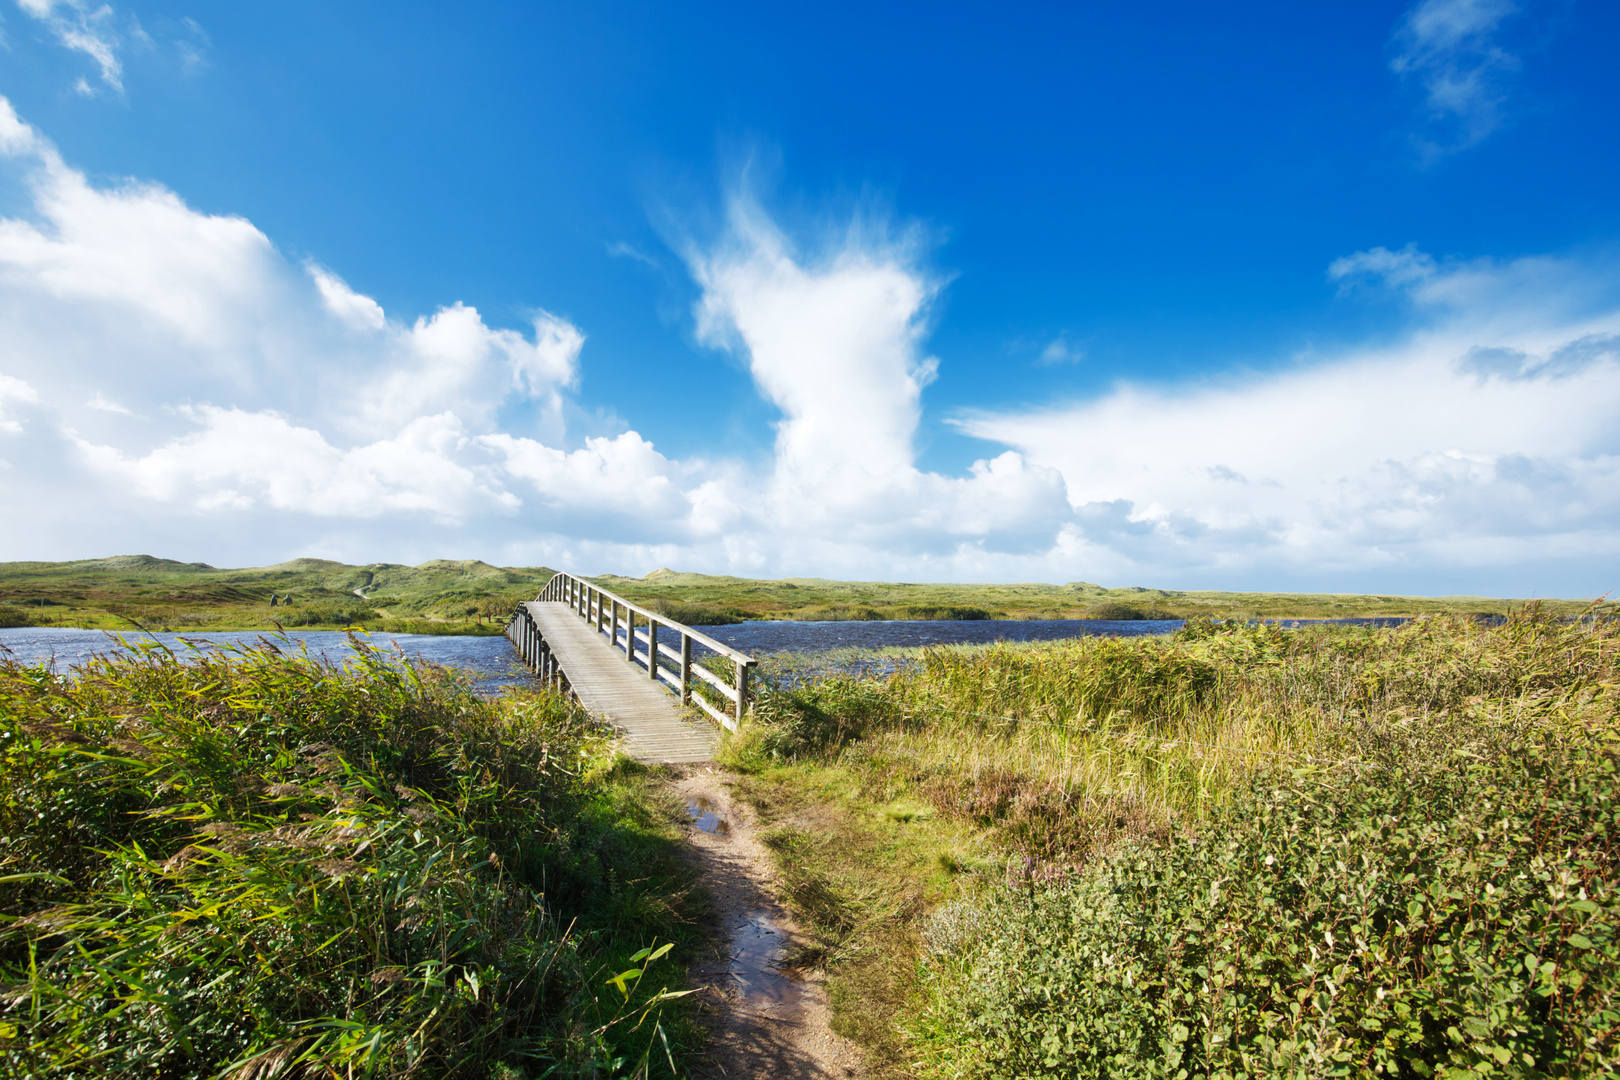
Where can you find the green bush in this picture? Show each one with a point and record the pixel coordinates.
(13, 616)
(696, 614)
(1448, 910)
(1127, 613)
(325, 615)
(252, 861)
(787, 721)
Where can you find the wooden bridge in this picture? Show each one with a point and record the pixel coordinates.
(623, 663)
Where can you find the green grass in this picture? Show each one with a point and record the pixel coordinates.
(471, 597)
(1240, 851)
(249, 863)
(441, 596)
(732, 598)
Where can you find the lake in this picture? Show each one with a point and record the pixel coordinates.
(492, 664)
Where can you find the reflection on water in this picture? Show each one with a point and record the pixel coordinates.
(706, 816)
(758, 951)
(490, 662)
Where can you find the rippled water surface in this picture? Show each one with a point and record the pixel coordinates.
(491, 662)
(762, 638)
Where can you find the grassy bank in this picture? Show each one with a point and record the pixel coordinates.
(471, 597)
(715, 598)
(251, 864)
(1240, 851)
(440, 596)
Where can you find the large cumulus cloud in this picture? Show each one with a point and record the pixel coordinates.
(170, 381)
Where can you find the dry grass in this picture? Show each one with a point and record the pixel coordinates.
(1024, 764)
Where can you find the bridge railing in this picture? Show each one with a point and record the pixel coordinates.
(646, 638)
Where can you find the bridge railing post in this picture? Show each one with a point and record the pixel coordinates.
(652, 650)
(686, 669)
(742, 688)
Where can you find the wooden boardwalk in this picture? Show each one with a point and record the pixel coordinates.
(612, 687)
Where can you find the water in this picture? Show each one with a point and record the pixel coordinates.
(490, 662)
(706, 815)
(765, 638)
(493, 665)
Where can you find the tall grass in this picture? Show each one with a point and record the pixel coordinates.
(1143, 732)
(248, 863)
(1251, 851)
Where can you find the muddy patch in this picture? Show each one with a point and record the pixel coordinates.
(765, 1018)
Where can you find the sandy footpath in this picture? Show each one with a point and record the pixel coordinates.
(763, 1021)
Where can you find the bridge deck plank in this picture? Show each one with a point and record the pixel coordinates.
(620, 692)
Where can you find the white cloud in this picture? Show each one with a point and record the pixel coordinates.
(86, 28)
(1396, 269)
(175, 384)
(14, 392)
(833, 340)
(263, 384)
(360, 312)
(1466, 445)
(1448, 47)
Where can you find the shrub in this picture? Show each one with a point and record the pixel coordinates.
(696, 614)
(1118, 612)
(787, 721)
(13, 616)
(325, 615)
(1450, 911)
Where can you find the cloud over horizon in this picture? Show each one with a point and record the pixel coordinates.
(170, 381)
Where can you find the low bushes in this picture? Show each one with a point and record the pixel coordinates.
(324, 615)
(1244, 850)
(1448, 910)
(1118, 612)
(13, 616)
(250, 863)
(697, 614)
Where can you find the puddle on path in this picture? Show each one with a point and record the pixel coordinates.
(706, 816)
(758, 943)
(757, 952)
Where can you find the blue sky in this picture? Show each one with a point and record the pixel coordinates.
(1272, 296)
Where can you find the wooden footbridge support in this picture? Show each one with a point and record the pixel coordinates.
(622, 663)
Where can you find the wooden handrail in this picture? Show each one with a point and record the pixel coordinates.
(600, 609)
(719, 647)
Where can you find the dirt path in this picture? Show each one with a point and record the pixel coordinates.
(764, 1021)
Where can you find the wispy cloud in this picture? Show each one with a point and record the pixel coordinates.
(621, 250)
(1449, 48)
(85, 28)
(1060, 351)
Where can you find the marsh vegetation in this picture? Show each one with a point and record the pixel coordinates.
(249, 863)
(470, 597)
(1240, 850)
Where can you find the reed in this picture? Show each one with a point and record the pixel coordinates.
(245, 862)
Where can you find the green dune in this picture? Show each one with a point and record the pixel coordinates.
(469, 596)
